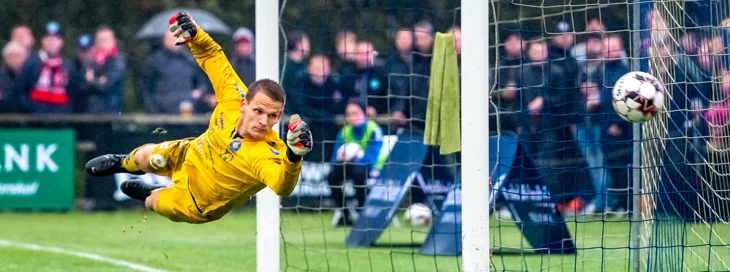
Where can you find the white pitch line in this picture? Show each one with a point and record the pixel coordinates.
(85, 255)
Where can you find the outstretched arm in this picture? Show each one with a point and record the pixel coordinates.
(210, 57)
(279, 174)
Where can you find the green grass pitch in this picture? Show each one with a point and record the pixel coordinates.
(309, 244)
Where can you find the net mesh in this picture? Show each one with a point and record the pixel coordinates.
(682, 155)
(377, 53)
(555, 151)
(685, 188)
(554, 62)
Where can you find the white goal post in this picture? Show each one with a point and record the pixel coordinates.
(267, 202)
(475, 131)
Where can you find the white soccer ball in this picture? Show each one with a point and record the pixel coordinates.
(350, 152)
(638, 97)
(418, 215)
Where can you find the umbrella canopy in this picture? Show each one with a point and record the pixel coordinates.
(157, 26)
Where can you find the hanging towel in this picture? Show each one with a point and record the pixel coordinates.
(443, 126)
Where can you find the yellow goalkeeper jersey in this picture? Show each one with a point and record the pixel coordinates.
(229, 169)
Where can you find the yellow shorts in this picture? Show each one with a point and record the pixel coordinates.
(176, 202)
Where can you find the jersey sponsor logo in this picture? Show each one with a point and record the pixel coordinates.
(235, 145)
(273, 151)
(223, 125)
(227, 156)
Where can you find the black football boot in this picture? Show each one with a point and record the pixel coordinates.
(107, 165)
(137, 189)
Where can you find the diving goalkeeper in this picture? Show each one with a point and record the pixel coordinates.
(235, 158)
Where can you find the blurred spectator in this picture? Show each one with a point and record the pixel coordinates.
(173, 81)
(613, 69)
(509, 80)
(560, 44)
(297, 52)
(399, 69)
(594, 24)
(369, 138)
(704, 55)
(367, 82)
(84, 68)
(597, 80)
(423, 39)
(588, 129)
(718, 117)
(14, 55)
(346, 46)
(317, 99)
(541, 92)
(24, 36)
(616, 133)
(106, 82)
(243, 58)
(43, 85)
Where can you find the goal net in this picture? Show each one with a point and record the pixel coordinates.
(651, 197)
(685, 186)
(358, 72)
(573, 186)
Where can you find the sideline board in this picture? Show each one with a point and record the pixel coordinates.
(528, 200)
(37, 169)
(384, 197)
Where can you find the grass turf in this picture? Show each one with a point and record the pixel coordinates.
(309, 244)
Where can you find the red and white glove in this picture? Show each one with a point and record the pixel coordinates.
(298, 139)
(183, 27)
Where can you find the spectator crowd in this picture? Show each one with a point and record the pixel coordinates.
(550, 91)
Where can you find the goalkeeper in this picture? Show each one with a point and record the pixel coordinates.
(236, 157)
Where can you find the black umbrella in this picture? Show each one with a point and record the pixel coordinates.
(157, 26)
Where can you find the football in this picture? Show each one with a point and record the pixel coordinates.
(638, 97)
(418, 215)
(350, 152)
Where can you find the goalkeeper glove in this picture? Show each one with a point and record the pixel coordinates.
(298, 139)
(183, 27)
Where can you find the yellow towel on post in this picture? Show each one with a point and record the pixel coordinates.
(443, 126)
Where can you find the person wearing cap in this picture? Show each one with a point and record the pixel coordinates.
(83, 64)
(43, 86)
(243, 56)
(561, 41)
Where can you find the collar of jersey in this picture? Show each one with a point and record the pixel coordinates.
(270, 136)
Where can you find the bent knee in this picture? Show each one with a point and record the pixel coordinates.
(141, 157)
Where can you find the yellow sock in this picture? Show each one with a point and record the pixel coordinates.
(129, 164)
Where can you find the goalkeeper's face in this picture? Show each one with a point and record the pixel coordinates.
(260, 115)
